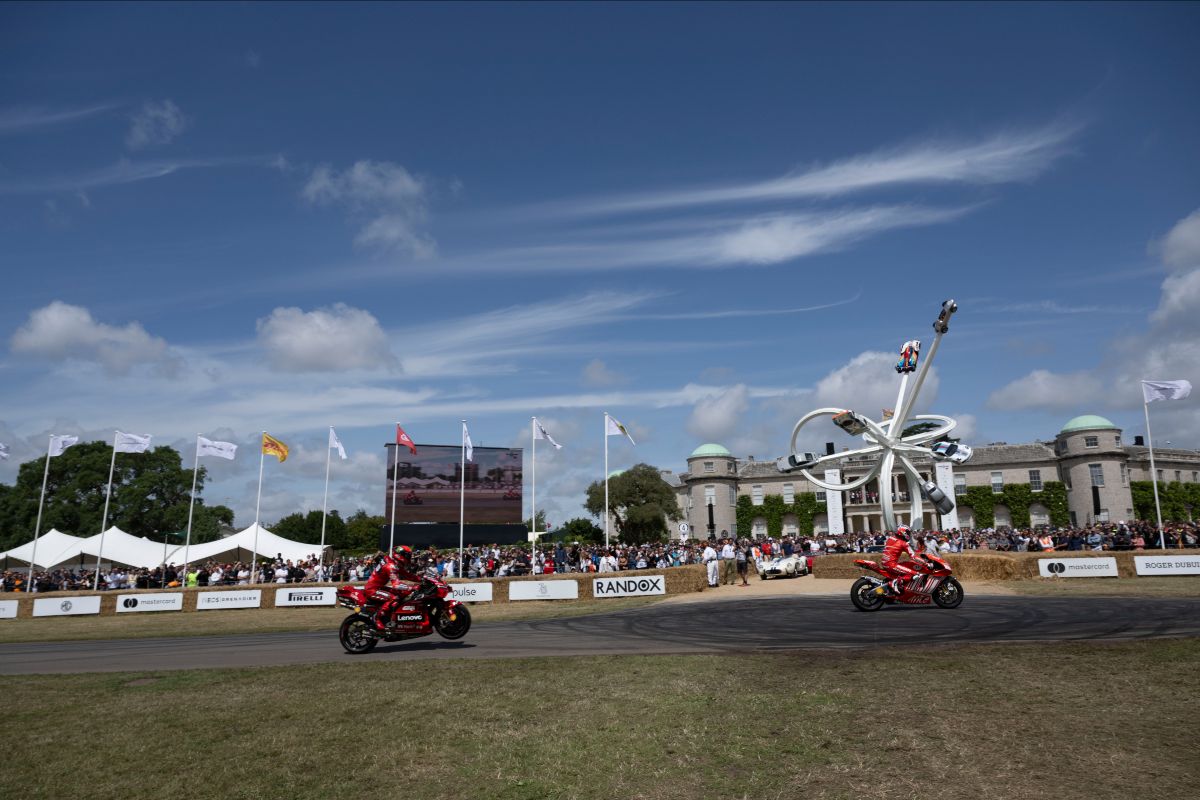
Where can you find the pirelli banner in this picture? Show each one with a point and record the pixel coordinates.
(313, 596)
(634, 586)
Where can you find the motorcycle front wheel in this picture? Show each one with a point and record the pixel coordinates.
(863, 595)
(453, 628)
(355, 634)
(949, 594)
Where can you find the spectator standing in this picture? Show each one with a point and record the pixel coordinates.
(709, 558)
(728, 576)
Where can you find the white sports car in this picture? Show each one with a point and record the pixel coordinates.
(792, 566)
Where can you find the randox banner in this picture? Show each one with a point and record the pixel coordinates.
(66, 606)
(1167, 565)
(634, 586)
(1077, 567)
(472, 592)
(8, 609)
(248, 598)
(543, 590)
(316, 596)
(166, 601)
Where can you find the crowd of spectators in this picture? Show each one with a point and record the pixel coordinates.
(497, 561)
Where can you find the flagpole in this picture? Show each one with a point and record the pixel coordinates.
(1154, 476)
(395, 468)
(605, 480)
(462, 495)
(104, 520)
(325, 502)
(37, 531)
(533, 500)
(262, 457)
(191, 506)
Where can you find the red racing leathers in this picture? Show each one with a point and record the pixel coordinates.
(391, 582)
(895, 547)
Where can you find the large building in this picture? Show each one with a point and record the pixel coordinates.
(1087, 464)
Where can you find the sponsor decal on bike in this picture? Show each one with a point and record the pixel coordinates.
(411, 618)
(629, 587)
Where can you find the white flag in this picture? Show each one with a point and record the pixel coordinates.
(60, 443)
(207, 447)
(335, 442)
(3, 452)
(540, 433)
(614, 428)
(470, 449)
(131, 442)
(1165, 390)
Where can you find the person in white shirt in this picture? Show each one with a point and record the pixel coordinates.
(281, 574)
(709, 557)
(728, 555)
(243, 576)
(216, 576)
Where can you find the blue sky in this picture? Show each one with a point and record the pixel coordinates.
(705, 219)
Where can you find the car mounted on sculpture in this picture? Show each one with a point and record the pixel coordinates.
(792, 566)
(851, 422)
(952, 451)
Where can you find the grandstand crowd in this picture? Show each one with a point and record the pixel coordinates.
(498, 561)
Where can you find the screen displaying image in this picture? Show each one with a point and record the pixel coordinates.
(426, 485)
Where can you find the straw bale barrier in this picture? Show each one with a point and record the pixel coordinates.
(990, 565)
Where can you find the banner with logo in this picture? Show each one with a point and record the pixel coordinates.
(833, 504)
(66, 606)
(472, 592)
(248, 598)
(165, 601)
(1078, 567)
(543, 590)
(1167, 565)
(944, 472)
(316, 596)
(8, 609)
(634, 586)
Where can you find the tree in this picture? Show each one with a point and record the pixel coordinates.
(362, 532)
(640, 502)
(541, 522)
(150, 495)
(307, 528)
(579, 529)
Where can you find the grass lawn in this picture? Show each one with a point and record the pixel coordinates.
(1014, 721)
(271, 620)
(1157, 586)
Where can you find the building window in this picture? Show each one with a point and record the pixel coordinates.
(760, 527)
(1091, 441)
(710, 495)
(1124, 475)
(820, 497)
(1035, 480)
(730, 466)
(732, 496)
(1178, 476)
(789, 493)
(1039, 518)
(960, 485)
(1195, 476)
(1103, 517)
(1067, 481)
(997, 482)
(710, 466)
(1159, 472)
(756, 494)
(1118, 437)
(1074, 524)
(1097, 473)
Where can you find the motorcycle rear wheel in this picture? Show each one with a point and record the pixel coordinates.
(355, 634)
(863, 595)
(949, 594)
(453, 628)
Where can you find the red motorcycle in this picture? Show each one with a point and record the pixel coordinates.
(933, 583)
(430, 608)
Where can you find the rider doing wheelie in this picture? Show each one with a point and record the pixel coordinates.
(391, 581)
(896, 546)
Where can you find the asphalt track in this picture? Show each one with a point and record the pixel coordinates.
(751, 625)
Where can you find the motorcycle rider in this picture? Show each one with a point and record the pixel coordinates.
(896, 546)
(392, 582)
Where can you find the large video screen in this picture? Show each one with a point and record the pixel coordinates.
(426, 485)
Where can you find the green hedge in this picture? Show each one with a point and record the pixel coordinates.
(1018, 497)
(1179, 501)
(806, 507)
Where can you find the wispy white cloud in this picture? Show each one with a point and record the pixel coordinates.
(61, 332)
(155, 124)
(388, 200)
(122, 172)
(18, 120)
(1051, 307)
(597, 373)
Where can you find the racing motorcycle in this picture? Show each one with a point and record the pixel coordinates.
(430, 608)
(933, 583)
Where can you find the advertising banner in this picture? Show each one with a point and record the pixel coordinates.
(833, 504)
(1078, 567)
(944, 471)
(427, 484)
(543, 590)
(8, 609)
(633, 586)
(472, 592)
(316, 596)
(1167, 565)
(166, 601)
(247, 598)
(66, 606)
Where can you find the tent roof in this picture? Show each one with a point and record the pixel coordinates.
(241, 545)
(49, 545)
(119, 548)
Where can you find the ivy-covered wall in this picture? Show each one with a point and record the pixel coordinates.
(1018, 497)
(773, 509)
(1179, 501)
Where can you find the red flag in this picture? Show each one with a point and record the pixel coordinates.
(402, 438)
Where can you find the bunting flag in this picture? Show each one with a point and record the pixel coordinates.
(207, 447)
(131, 442)
(540, 433)
(3, 452)
(470, 449)
(335, 443)
(273, 447)
(59, 444)
(402, 438)
(615, 428)
(1165, 390)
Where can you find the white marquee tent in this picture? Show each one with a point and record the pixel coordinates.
(240, 546)
(49, 545)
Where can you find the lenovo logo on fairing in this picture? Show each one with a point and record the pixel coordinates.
(629, 587)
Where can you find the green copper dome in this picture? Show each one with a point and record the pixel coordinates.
(710, 450)
(1088, 422)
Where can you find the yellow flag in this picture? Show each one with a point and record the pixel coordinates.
(274, 447)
